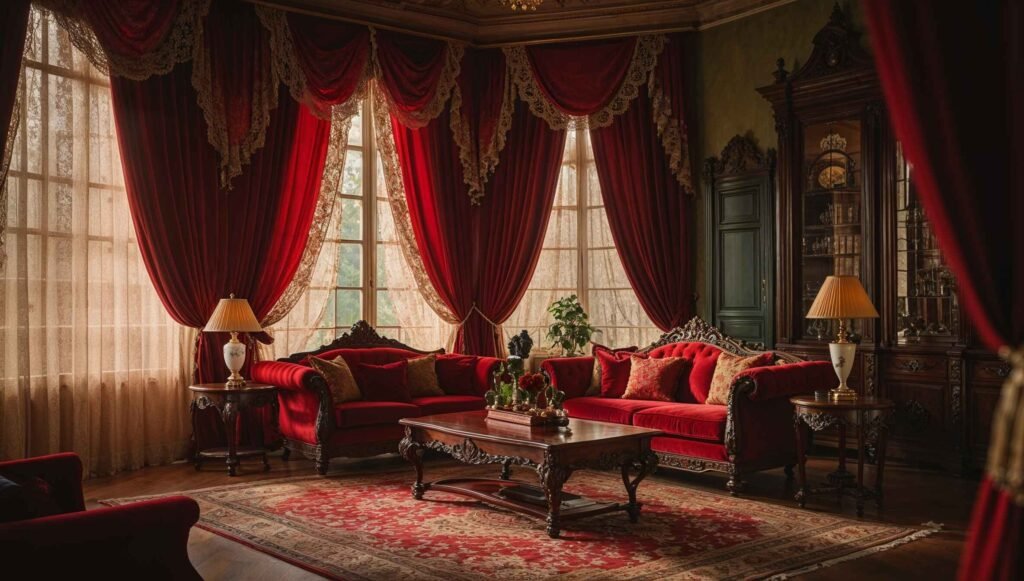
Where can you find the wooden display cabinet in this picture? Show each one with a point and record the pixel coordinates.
(846, 205)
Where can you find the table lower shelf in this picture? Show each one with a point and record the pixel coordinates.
(523, 498)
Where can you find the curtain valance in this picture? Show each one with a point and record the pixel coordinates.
(243, 51)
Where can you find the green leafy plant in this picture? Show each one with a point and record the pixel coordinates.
(571, 330)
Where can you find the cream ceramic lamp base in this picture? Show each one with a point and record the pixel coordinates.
(843, 355)
(234, 358)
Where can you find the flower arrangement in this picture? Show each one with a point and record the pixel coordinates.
(518, 394)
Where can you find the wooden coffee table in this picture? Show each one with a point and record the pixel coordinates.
(470, 438)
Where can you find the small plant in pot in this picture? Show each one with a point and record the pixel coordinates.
(571, 330)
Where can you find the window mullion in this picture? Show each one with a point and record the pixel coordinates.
(582, 276)
(369, 217)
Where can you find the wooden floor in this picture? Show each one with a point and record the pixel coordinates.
(913, 497)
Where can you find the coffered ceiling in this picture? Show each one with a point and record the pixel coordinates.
(491, 23)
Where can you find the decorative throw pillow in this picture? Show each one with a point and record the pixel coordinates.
(423, 377)
(614, 371)
(595, 375)
(388, 382)
(654, 379)
(455, 374)
(728, 367)
(339, 379)
(24, 498)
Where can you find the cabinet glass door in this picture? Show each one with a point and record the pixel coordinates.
(927, 309)
(832, 213)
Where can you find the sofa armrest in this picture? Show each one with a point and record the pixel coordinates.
(147, 539)
(305, 405)
(483, 374)
(63, 472)
(570, 374)
(801, 378)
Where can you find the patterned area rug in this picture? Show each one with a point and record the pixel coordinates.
(367, 526)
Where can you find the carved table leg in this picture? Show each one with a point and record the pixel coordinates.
(197, 458)
(552, 476)
(801, 460)
(883, 436)
(647, 464)
(506, 470)
(286, 454)
(412, 451)
(229, 414)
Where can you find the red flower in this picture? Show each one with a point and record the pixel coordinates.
(532, 382)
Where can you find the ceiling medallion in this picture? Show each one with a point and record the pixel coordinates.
(523, 5)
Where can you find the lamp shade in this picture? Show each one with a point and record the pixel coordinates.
(233, 315)
(842, 297)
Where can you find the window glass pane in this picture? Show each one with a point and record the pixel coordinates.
(352, 178)
(348, 307)
(385, 310)
(351, 219)
(355, 132)
(562, 231)
(350, 265)
(599, 234)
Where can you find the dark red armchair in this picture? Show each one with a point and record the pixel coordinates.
(142, 540)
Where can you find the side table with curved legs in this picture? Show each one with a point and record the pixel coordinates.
(229, 401)
(868, 418)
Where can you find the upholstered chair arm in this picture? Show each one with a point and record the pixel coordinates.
(146, 539)
(787, 380)
(483, 379)
(569, 374)
(305, 405)
(63, 472)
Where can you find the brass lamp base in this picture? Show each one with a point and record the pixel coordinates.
(842, 394)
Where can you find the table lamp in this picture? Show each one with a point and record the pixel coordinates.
(233, 316)
(842, 298)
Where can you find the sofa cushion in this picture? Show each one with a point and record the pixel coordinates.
(570, 374)
(615, 368)
(606, 409)
(688, 447)
(339, 379)
(26, 498)
(704, 357)
(655, 379)
(455, 374)
(444, 404)
(388, 382)
(368, 413)
(690, 420)
(728, 367)
(422, 375)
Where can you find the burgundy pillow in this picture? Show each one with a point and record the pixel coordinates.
(388, 382)
(699, 381)
(615, 369)
(26, 498)
(455, 374)
(598, 347)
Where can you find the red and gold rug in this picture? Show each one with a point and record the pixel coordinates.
(367, 526)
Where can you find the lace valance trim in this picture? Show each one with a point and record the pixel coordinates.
(672, 132)
(645, 58)
(490, 152)
(179, 46)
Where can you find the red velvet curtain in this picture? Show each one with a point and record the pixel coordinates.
(647, 213)
(581, 77)
(332, 54)
(951, 73)
(129, 28)
(199, 242)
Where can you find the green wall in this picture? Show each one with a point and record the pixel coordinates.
(728, 62)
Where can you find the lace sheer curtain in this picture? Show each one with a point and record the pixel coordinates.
(89, 359)
(579, 257)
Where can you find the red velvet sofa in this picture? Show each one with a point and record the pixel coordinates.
(753, 432)
(312, 424)
(142, 540)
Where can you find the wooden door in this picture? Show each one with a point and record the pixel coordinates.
(740, 226)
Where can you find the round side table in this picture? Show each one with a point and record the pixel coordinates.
(229, 401)
(868, 417)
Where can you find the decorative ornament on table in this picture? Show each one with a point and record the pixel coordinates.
(515, 400)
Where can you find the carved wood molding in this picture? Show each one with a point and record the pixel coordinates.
(360, 335)
(837, 48)
(739, 156)
(699, 330)
(487, 23)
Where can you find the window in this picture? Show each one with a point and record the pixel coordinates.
(85, 343)
(579, 257)
(367, 276)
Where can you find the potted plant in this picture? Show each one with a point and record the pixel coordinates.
(571, 330)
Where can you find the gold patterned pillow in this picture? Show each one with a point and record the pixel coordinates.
(423, 377)
(339, 379)
(654, 379)
(727, 368)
